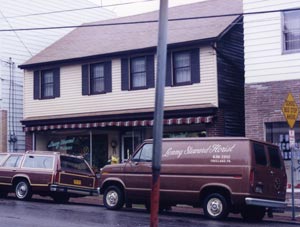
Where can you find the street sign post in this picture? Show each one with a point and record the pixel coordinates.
(290, 112)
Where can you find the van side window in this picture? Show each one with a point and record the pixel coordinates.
(260, 155)
(144, 154)
(274, 157)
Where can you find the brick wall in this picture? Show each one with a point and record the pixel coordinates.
(3, 130)
(217, 127)
(28, 141)
(263, 103)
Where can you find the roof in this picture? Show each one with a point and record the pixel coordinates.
(92, 41)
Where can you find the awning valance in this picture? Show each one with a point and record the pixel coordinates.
(134, 123)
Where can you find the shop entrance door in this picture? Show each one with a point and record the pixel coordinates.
(130, 141)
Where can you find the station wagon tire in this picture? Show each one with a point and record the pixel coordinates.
(215, 206)
(23, 190)
(113, 198)
(253, 213)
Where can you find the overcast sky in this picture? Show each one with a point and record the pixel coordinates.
(141, 6)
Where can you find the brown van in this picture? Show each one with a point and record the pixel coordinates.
(221, 175)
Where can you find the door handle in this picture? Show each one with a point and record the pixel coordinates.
(271, 172)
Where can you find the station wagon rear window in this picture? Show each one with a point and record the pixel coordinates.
(260, 155)
(2, 157)
(38, 162)
(74, 164)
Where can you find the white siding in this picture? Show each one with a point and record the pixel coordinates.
(21, 45)
(264, 60)
(71, 100)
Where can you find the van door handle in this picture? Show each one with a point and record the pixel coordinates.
(271, 172)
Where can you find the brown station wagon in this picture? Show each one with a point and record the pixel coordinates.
(221, 175)
(52, 174)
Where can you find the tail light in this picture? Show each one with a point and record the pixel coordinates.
(251, 178)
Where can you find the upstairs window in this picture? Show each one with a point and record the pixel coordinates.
(96, 78)
(137, 72)
(291, 31)
(46, 84)
(183, 67)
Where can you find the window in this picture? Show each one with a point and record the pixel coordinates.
(259, 153)
(13, 161)
(74, 164)
(291, 31)
(38, 162)
(46, 84)
(137, 72)
(144, 154)
(183, 67)
(274, 157)
(96, 78)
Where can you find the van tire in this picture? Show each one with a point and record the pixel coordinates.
(23, 190)
(215, 206)
(113, 198)
(253, 213)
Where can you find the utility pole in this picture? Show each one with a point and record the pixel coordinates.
(159, 110)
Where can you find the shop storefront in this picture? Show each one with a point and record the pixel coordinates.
(109, 142)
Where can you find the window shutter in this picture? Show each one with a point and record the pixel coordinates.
(107, 76)
(195, 66)
(36, 84)
(124, 74)
(169, 70)
(85, 79)
(56, 75)
(150, 71)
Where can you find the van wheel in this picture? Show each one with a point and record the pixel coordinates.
(23, 190)
(113, 198)
(215, 206)
(253, 213)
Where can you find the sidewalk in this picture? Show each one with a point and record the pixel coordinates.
(285, 217)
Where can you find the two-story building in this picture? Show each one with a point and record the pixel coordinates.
(272, 70)
(16, 47)
(92, 92)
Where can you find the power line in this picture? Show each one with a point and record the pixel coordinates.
(78, 9)
(146, 21)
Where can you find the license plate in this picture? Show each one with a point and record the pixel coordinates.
(77, 182)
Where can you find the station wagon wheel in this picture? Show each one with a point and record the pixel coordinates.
(23, 190)
(113, 198)
(215, 206)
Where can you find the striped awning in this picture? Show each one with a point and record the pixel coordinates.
(135, 123)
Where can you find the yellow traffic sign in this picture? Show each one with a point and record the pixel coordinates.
(290, 110)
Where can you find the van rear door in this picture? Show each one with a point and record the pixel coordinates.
(277, 173)
(268, 176)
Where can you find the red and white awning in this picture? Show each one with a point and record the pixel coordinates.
(171, 121)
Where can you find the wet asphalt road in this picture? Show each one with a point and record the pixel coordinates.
(45, 213)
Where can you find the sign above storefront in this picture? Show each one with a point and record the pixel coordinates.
(290, 110)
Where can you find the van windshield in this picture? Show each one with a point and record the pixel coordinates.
(144, 154)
